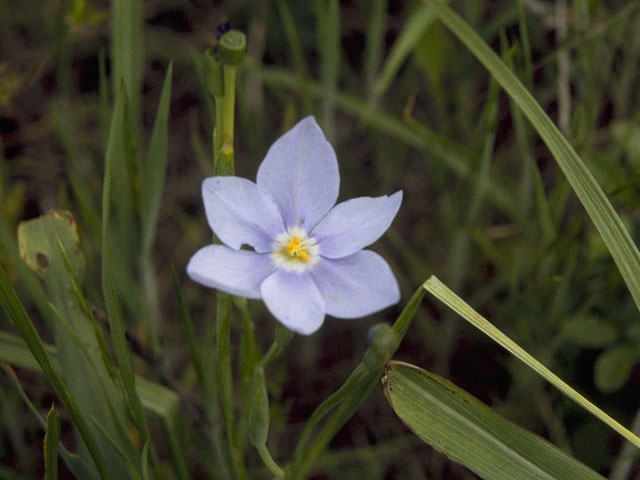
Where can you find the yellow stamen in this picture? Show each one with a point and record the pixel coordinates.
(304, 255)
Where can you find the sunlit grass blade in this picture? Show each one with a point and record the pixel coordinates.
(463, 428)
(619, 242)
(445, 295)
(51, 439)
(21, 321)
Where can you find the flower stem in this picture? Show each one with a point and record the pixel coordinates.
(223, 335)
(225, 161)
(269, 462)
(346, 400)
(224, 165)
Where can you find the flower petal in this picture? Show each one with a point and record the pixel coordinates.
(357, 285)
(239, 212)
(300, 171)
(352, 225)
(238, 272)
(294, 300)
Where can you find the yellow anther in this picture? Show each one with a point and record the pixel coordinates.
(295, 251)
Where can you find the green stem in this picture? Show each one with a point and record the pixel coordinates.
(217, 133)
(269, 462)
(225, 163)
(346, 400)
(225, 378)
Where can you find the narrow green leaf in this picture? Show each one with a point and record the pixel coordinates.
(463, 428)
(624, 251)
(51, 439)
(156, 164)
(613, 367)
(445, 295)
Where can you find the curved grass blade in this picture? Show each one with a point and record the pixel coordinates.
(618, 241)
(446, 296)
(463, 428)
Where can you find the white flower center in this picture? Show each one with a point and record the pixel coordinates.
(294, 251)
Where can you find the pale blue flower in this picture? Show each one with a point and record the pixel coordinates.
(307, 256)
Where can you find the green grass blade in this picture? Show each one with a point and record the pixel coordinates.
(116, 323)
(16, 312)
(329, 41)
(463, 428)
(156, 165)
(624, 251)
(51, 439)
(445, 295)
(374, 46)
(295, 46)
(418, 23)
(127, 53)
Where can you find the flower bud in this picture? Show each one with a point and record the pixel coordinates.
(382, 341)
(232, 47)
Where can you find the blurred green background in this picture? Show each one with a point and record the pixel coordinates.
(406, 106)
